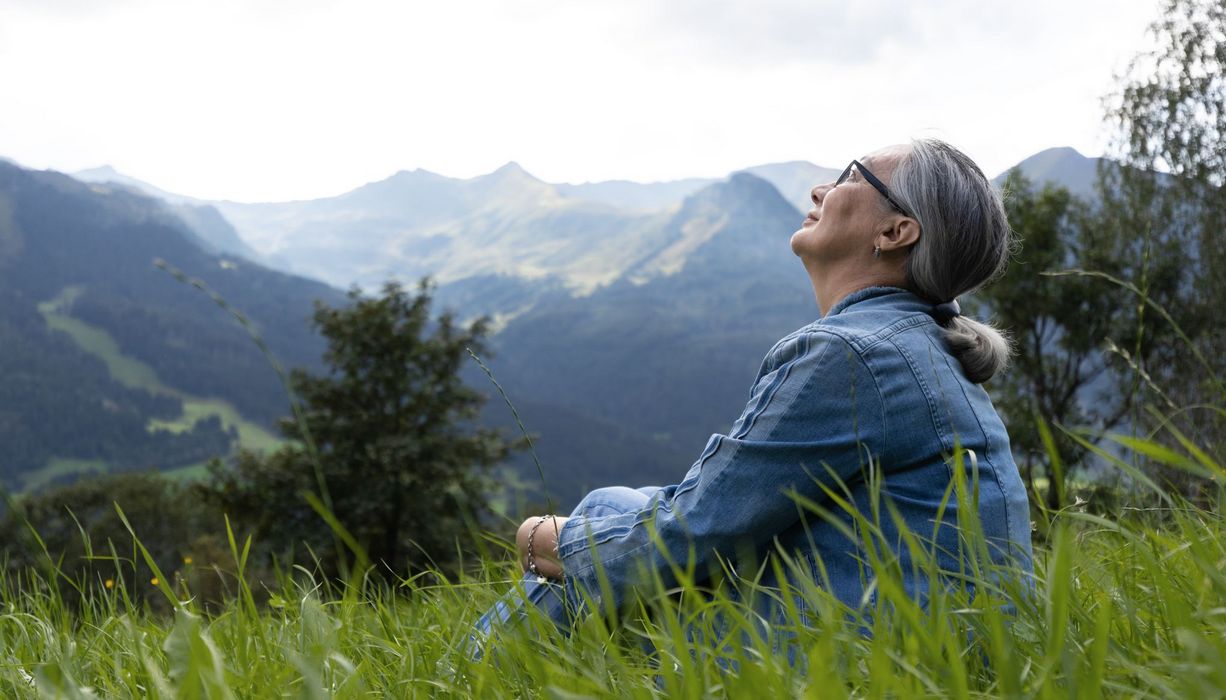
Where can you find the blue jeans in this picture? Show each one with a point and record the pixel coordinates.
(549, 597)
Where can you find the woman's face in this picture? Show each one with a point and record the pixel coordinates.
(847, 218)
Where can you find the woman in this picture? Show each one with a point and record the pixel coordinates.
(888, 378)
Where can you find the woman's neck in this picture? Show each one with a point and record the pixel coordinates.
(831, 286)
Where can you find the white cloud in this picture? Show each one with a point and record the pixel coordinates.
(278, 99)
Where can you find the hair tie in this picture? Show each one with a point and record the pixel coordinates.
(947, 312)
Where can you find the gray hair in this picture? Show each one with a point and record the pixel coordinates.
(965, 241)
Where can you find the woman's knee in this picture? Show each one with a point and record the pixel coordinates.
(649, 491)
(610, 500)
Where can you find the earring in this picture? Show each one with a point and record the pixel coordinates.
(876, 251)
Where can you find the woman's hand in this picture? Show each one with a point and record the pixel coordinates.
(544, 545)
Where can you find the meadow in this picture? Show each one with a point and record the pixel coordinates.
(1127, 603)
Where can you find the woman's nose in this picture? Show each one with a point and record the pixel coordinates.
(818, 193)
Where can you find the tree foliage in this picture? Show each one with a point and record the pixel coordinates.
(1169, 119)
(385, 438)
(1131, 336)
(1170, 107)
(1060, 374)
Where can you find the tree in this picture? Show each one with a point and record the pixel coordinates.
(1169, 120)
(396, 457)
(1061, 373)
(1093, 348)
(1169, 111)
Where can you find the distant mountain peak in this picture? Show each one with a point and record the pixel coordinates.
(1062, 165)
(512, 180)
(1060, 156)
(738, 187)
(414, 175)
(742, 178)
(98, 172)
(781, 164)
(510, 171)
(414, 171)
(794, 179)
(1061, 151)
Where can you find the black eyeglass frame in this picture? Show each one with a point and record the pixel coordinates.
(877, 184)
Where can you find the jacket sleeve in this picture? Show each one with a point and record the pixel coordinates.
(814, 417)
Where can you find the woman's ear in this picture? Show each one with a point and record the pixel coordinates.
(903, 232)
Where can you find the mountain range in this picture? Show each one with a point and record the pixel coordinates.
(631, 317)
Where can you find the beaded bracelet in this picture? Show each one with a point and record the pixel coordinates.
(531, 559)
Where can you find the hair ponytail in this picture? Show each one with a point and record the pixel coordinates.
(982, 349)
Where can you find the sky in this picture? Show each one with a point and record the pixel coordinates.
(271, 100)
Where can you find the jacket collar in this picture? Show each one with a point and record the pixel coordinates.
(885, 296)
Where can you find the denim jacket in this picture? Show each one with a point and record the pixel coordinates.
(872, 380)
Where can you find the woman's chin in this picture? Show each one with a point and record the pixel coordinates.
(795, 241)
(802, 240)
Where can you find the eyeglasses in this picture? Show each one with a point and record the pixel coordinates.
(872, 180)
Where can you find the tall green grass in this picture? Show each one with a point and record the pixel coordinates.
(1130, 604)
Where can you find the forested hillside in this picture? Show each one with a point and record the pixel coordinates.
(109, 362)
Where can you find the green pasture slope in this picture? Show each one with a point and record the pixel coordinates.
(135, 374)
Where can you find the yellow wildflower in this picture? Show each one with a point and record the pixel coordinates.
(154, 581)
(110, 583)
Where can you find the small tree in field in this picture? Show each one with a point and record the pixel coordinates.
(401, 464)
